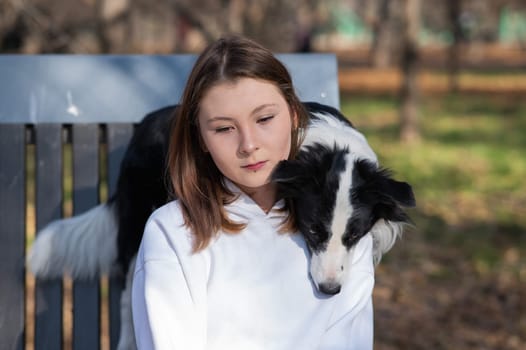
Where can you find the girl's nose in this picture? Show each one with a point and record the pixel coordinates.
(248, 142)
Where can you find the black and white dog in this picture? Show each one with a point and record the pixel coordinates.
(340, 194)
(339, 190)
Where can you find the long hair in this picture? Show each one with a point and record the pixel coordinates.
(195, 179)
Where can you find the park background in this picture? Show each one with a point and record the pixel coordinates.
(439, 89)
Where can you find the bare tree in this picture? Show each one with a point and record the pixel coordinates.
(454, 7)
(143, 26)
(409, 129)
(271, 22)
(380, 51)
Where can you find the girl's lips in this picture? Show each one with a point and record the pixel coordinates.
(255, 166)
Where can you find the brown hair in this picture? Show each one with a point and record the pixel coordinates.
(196, 181)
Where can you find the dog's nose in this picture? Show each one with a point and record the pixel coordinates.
(330, 288)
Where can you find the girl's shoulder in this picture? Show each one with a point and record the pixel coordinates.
(170, 212)
(166, 231)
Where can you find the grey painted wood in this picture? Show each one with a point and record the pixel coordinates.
(86, 294)
(123, 88)
(118, 137)
(12, 236)
(48, 207)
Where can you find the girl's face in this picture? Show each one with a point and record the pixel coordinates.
(246, 126)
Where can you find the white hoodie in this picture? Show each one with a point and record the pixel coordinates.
(246, 291)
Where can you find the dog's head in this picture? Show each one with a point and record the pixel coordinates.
(338, 198)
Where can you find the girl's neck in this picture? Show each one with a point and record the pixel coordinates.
(264, 197)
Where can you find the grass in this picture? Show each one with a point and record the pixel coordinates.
(458, 274)
(467, 172)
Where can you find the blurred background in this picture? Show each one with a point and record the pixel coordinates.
(439, 89)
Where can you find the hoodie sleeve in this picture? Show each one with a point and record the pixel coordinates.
(168, 293)
(351, 325)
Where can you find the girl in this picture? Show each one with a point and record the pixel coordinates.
(223, 267)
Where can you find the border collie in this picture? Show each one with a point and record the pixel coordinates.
(340, 194)
(339, 191)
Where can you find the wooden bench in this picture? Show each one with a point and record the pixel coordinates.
(62, 109)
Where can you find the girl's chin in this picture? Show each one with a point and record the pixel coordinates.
(251, 186)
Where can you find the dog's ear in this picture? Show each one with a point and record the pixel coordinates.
(401, 192)
(380, 181)
(287, 171)
(392, 196)
(386, 196)
(290, 175)
(309, 171)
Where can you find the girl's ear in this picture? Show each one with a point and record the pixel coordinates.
(202, 144)
(295, 121)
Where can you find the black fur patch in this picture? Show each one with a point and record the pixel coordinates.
(314, 107)
(141, 186)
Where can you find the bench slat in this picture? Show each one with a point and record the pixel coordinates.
(86, 295)
(118, 136)
(48, 207)
(12, 235)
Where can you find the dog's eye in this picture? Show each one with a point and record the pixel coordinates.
(315, 236)
(352, 236)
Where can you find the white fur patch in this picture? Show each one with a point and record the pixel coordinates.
(342, 207)
(384, 234)
(330, 131)
(82, 246)
(330, 265)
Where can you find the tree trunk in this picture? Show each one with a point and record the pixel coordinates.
(381, 51)
(454, 48)
(409, 129)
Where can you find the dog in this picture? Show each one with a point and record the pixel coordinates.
(340, 194)
(339, 191)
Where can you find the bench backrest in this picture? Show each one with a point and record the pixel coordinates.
(62, 112)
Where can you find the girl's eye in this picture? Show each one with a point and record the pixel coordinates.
(223, 129)
(265, 119)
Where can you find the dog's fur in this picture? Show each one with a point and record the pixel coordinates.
(340, 195)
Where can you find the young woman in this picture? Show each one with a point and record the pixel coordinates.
(223, 267)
